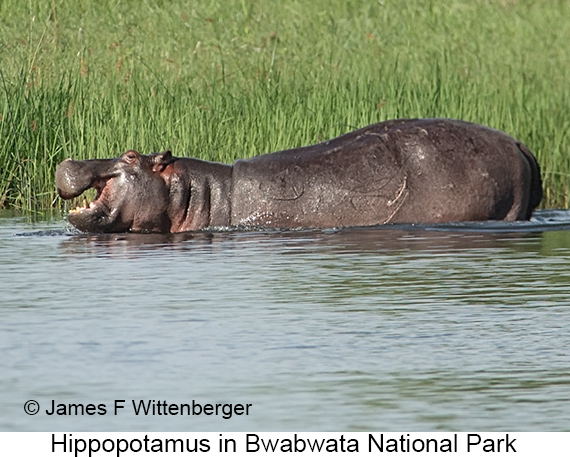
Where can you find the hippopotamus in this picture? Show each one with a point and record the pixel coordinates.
(401, 171)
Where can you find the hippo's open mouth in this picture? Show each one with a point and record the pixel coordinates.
(100, 202)
(123, 189)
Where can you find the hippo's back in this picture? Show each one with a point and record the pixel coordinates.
(418, 170)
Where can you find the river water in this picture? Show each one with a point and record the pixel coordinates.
(412, 328)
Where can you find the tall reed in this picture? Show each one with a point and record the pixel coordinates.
(227, 79)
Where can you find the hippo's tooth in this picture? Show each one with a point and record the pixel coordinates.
(85, 203)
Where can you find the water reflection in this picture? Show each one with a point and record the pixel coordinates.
(457, 327)
(397, 238)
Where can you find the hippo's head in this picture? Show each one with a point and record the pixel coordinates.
(132, 195)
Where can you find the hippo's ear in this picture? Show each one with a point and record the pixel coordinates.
(160, 160)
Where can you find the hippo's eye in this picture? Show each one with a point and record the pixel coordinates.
(130, 156)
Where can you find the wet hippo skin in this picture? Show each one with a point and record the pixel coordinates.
(401, 171)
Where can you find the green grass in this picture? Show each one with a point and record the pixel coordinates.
(220, 80)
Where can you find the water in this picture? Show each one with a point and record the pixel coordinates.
(462, 327)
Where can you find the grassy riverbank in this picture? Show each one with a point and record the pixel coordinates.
(227, 79)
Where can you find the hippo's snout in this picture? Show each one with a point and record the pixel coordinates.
(71, 179)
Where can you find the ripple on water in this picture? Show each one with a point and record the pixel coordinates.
(455, 327)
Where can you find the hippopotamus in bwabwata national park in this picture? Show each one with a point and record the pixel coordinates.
(401, 171)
